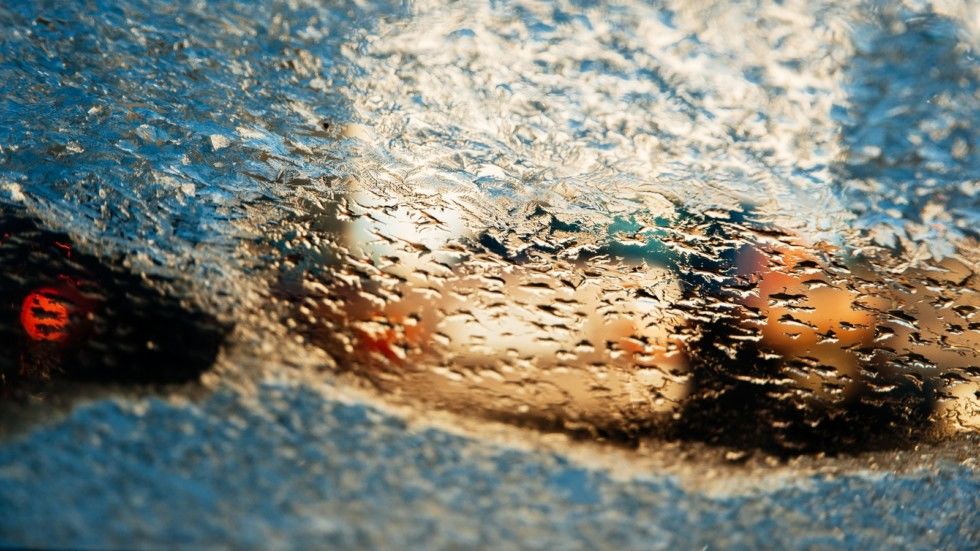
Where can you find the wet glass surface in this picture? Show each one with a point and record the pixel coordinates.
(749, 225)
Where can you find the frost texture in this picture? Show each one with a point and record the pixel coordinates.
(697, 220)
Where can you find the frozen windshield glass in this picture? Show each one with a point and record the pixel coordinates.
(751, 225)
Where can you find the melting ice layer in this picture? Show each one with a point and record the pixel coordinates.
(622, 229)
(699, 219)
(697, 328)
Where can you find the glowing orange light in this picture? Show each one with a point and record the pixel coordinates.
(45, 315)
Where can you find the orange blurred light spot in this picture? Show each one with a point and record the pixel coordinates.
(45, 315)
(383, 343)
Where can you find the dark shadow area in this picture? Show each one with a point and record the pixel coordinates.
(744, 402)
(66, 316)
